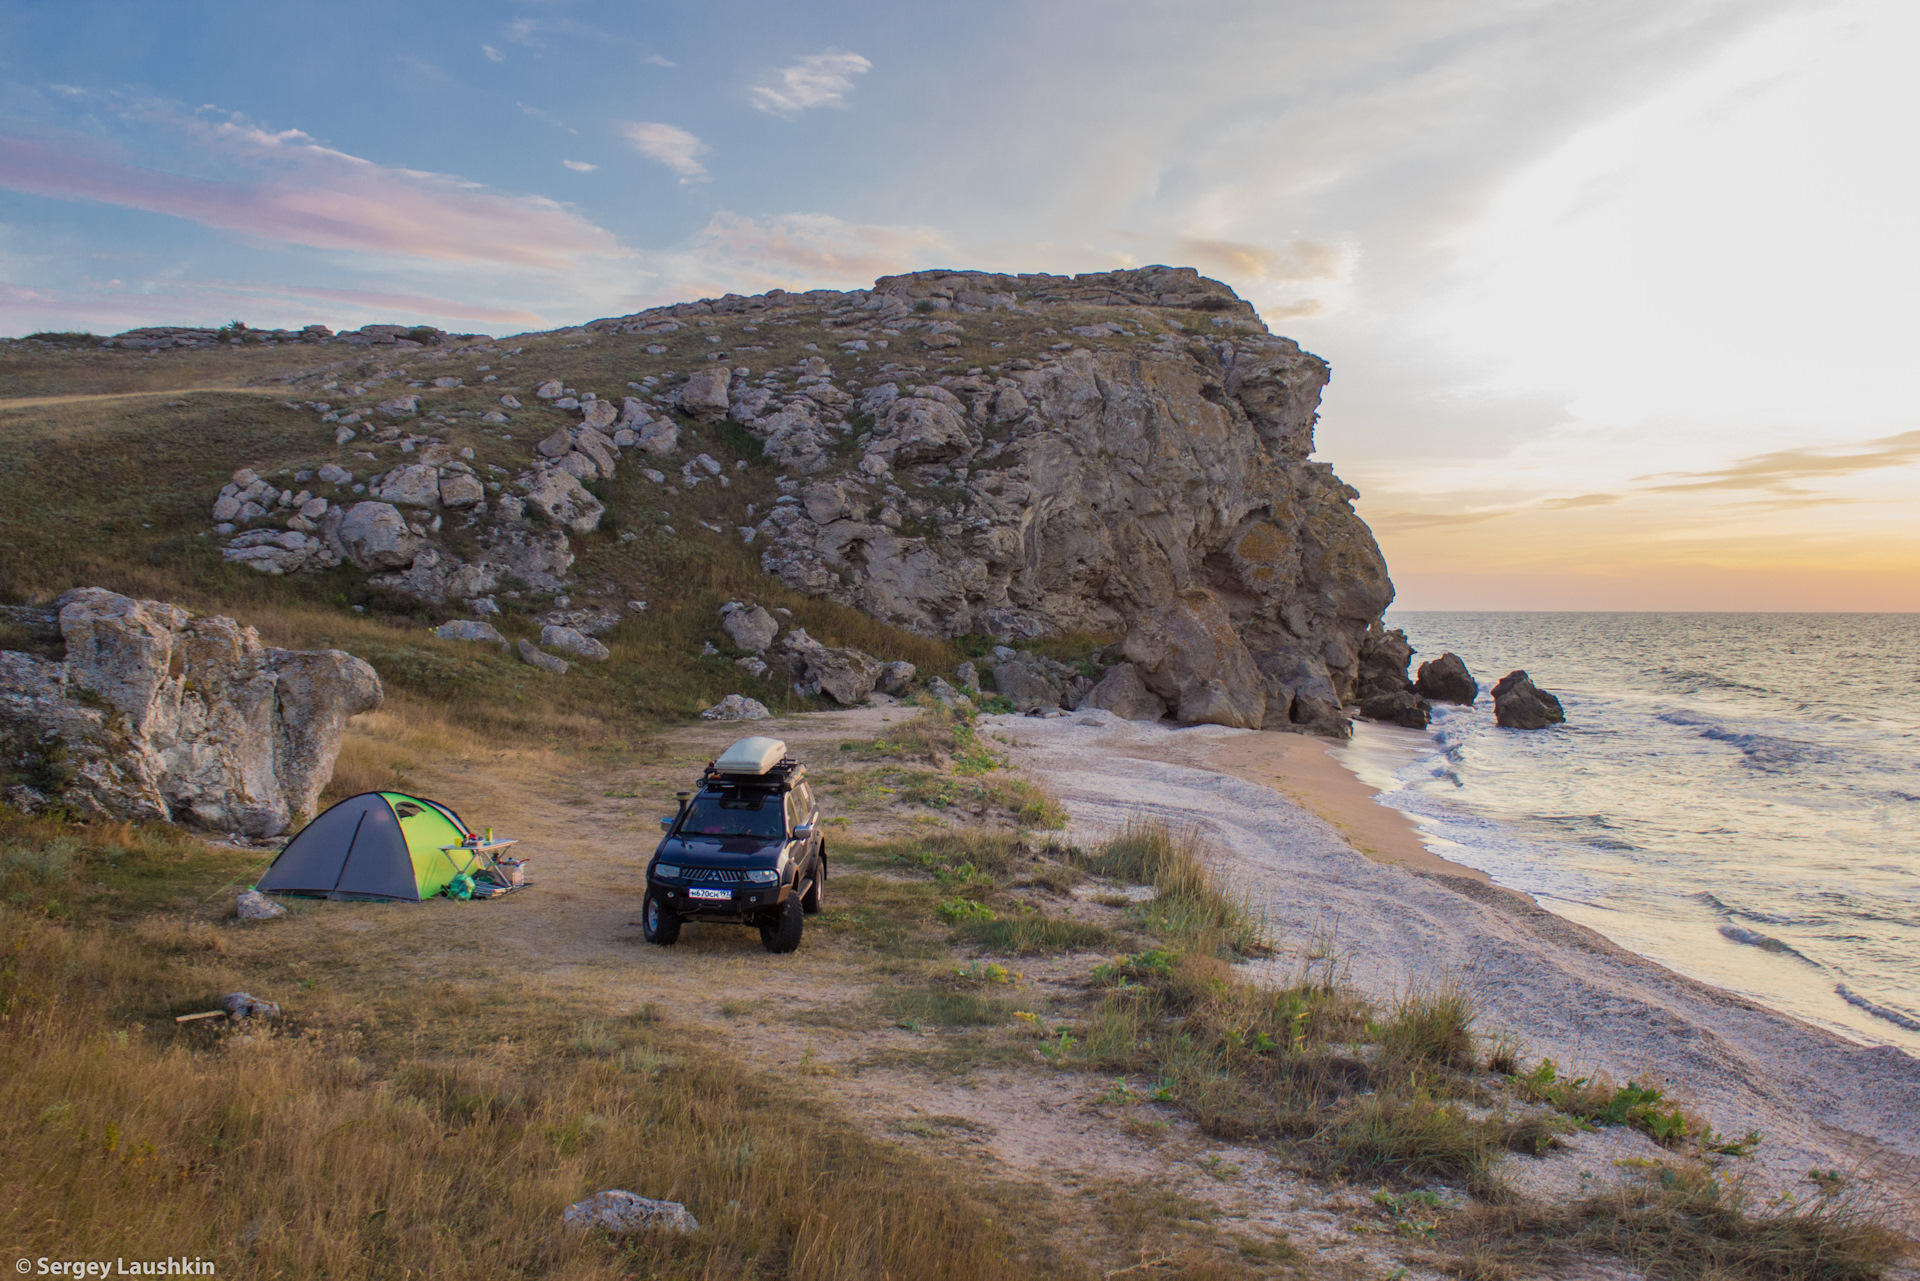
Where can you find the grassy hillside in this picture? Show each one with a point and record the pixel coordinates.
(102, 487)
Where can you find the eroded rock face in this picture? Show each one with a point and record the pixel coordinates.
(156, 713)
(1188, 653)
(1083, 491)
(1122, 692)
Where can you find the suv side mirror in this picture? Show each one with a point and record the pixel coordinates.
(666, 825)
(801, 831)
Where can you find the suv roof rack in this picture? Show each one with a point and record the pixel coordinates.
(779, 775)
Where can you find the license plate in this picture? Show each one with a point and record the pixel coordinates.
(700, 891)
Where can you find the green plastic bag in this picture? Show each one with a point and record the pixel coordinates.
(460, 887)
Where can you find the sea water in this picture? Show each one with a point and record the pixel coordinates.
(1736, 796)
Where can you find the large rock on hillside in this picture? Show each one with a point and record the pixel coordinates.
(375, 536)
(705, 395)
(1188, 654)
(1082, 490)
(156, 713)
(847, 676)
(1520, 704)
(1447, 680)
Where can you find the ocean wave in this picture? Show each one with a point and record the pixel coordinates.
(1878, 1011)
(1766, 752)
(1765, 942)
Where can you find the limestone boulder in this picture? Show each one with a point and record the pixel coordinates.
(921, 429)
(1397, 707)
(737, 707)
(1520, 704)
(705, 395)
(897, 678)
(374, 535)
(569, 640)
(459, 490)
(1188, 653)
(751, 628)
(660, 437)
(845, 675)
(561, 498)
(1122, 692)
(533, 656)
(468, 629)
(1447, 680)
(414, 486)
(156, 713)
(620, 1213)
(599, 414)
(399, 407)
(1026, 685)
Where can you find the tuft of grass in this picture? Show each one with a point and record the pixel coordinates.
(1431, 1027)
(1032, 934)
(1191, 905)
(945, 1005)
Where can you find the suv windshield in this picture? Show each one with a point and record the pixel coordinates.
(736, 814)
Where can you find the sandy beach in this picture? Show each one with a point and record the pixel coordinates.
(1338, 874)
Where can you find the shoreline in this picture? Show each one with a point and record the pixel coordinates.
(1343, 876)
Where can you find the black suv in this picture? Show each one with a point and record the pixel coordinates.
(745, 848)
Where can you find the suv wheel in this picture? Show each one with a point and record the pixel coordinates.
(782, 934)
(816, 895)
(658, 923)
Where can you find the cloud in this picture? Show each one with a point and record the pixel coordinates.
(493, 54)
(1580, 500)
(737, 254)
(819, 80)
(545, 118)
(113, 307)
(659, 61)
(1294, 262)
(319, 197)
(675, 148)
(1778, 470)
(579, 166)
(1403, 520)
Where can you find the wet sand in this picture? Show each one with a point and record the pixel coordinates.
(1305, 771)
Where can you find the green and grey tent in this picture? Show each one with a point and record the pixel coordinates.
(377, 845)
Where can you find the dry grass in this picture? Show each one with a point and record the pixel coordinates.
(445, 1146)
(1191, 904)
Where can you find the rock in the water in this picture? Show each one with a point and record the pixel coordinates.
(752, 628)
(621, 1212)
(534, 656)
(1122, 692)
(1188, 653)
(467, 629)
(375, 536)
(570, 641)
(1396, 707)
(1447, 680)
(737, 707)
(156, 713)
(705, 395)
(255, 906)
(897, 678)
(1520, 704)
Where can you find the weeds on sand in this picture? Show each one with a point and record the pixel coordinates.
(1190, 904)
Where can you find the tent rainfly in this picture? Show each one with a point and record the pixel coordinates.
(377, 845)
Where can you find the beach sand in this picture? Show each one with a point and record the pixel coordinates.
(1338, 874)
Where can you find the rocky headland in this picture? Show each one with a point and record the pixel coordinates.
(1120, 456)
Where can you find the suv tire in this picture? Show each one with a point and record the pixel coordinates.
(658, 922)
(816, 896)
(782, 934)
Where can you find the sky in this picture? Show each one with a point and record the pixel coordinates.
(1617, 293)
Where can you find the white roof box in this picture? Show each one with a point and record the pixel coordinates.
(751, 756)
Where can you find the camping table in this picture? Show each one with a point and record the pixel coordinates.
(488, 853)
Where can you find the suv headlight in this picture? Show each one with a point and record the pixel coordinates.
(763, 875)
(667, 870)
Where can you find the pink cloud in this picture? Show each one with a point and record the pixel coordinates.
(808, 250)
(321, 198)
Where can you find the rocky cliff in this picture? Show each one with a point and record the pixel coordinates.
(1120, 455)
(155, 713)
